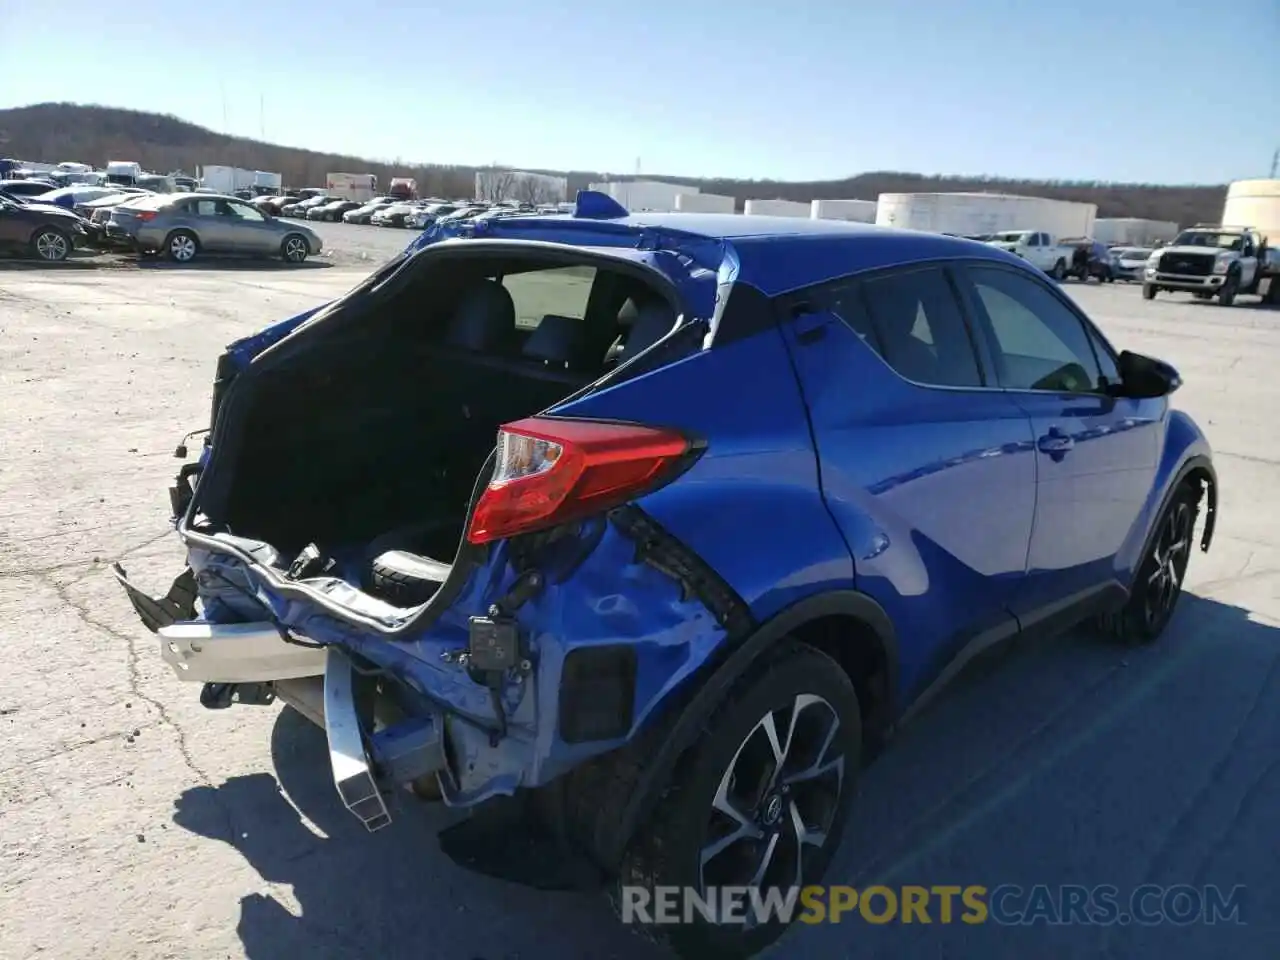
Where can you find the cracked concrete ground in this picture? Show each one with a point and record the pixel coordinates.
(134, 824)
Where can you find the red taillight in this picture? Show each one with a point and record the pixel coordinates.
(552, 471)
(145, 215)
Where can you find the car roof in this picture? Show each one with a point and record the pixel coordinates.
(776, 254)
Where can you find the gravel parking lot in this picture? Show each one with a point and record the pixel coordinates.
(135, 824)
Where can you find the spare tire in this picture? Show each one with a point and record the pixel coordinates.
(407, 579)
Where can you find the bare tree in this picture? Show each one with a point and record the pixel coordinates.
(494, 185)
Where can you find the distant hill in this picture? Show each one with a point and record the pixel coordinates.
(53, 132)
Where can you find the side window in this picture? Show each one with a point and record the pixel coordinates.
(205, 208)
(1039, 343)
(246, 212)
(848, 304)
(1106, 361)
(920, 328)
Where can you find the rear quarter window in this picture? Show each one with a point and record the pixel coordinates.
(562, 291)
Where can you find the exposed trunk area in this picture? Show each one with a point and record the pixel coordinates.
(375, 433)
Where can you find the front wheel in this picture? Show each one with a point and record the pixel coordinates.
(1059, 270)
(294, 249)
(1149, 291)
(760, 803)
(51, 245)
(1158, 583)
(1227, 295)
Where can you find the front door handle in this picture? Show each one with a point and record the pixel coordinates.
(1056, 443)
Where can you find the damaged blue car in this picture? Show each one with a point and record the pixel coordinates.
(648, 530)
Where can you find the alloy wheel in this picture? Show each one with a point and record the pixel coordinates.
(295, 249)
(777, 799)
(1169, 555)
(52, 246)
(182, 248)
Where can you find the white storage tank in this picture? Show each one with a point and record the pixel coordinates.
(1133, 231)
(641, 195)
(705, 203)
(978, 214)
(776, 208)
(1254, 203)
(860, 211)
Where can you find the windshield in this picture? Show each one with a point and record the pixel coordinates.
(1205, 238)
(1134, 253)
(1010, 237)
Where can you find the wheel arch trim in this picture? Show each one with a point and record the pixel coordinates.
(717, 684)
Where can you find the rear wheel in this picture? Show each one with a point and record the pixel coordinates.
(294, 248)
(760, 802)
(51, 245)
(1158, 584)
(1272, 297)
(1149, 291)
(181, 246)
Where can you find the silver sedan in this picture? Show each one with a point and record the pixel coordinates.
(185, 226)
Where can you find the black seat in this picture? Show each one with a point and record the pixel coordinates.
(557, 340)
(484, 320)
(653, 321)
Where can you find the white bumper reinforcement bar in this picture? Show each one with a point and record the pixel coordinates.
(236, 653)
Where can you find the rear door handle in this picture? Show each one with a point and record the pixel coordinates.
(1056, 443)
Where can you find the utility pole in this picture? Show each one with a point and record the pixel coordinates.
(222, 86)
(1275, 163)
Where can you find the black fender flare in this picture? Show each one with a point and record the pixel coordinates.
(686, 726)
(1198, 463)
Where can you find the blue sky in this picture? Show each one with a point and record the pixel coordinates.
(1169, 91)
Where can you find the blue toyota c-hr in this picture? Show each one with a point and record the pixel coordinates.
(758, 486)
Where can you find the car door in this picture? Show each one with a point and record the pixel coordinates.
(1248, 260)
(1096, 455)
(204, 217)
(927, 469)
(248, 231)
(14, 230)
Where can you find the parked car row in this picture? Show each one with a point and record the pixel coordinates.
(386, 211)
(178, 226)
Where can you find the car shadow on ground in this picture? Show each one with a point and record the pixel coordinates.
(1054, 761)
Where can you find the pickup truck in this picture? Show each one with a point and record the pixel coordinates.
(1213, 261)
(1037, 248)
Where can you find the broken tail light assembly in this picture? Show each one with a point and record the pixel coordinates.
(551, 471)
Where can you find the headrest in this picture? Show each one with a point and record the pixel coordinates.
(557, 339)
(484, 317)
(653, 321)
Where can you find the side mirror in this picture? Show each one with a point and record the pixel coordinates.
(1144, 378)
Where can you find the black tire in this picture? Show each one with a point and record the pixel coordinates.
(1272, 298)
(51, 245)
(406, 579)
(1149, 291)
(1059, 270)
(1227, 295)
(181, 246)
(294, 248)
(1157, 586)
(667, 852)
